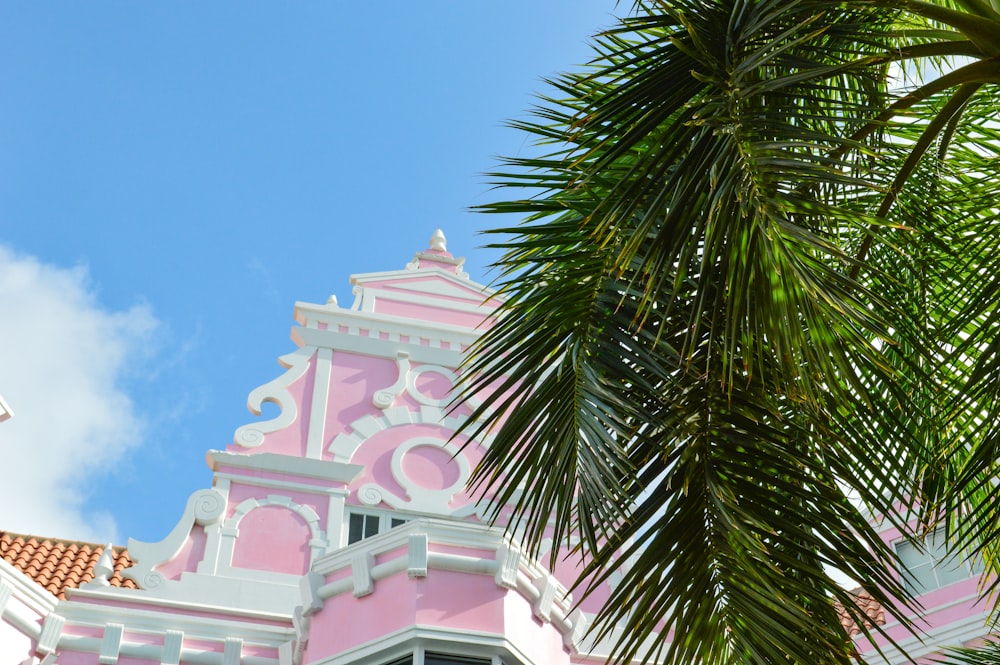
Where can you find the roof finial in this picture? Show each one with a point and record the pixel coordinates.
(105, 567)
(439, 242)
(6, 412)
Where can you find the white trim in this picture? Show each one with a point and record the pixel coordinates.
(345, 445)
(422, 499)
(335, 531)
(286, 485)
(407, 274)
(204, 507)
(373, 345)
(156, 619)
(550, 600)
(338, 472)
(155, 652)
(276, 392)
(111, 644)
(316, 436)
(452, 641)
(372, 295)
(930, 642)
(27, 591)
(318, 543)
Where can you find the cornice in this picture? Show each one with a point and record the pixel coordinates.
(339, 472)
(26, 590)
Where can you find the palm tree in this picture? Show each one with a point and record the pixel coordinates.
(752, 300)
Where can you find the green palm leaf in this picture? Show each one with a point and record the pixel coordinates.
(729, 312)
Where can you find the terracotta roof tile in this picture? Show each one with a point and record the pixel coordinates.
(57, 565)
(871, 607)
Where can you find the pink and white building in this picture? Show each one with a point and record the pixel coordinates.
(340, 531)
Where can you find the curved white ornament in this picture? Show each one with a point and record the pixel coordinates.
(344, 445)
(419, 498)
(370, 495)
(204, 507)
(274, 392)
(384, 398)
(414, 374)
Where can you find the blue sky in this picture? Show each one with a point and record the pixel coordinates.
(175, 175)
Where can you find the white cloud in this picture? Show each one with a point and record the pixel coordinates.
(63, 357)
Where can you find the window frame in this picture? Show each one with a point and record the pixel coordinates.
(418, 656)
(935, 565)
(385, 522)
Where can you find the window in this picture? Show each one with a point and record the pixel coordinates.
(366, 525)
(931, 566)
(441, 659)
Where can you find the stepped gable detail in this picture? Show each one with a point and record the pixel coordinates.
(340, 531)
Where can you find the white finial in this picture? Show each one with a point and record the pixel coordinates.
(105, 566)
(438, 241)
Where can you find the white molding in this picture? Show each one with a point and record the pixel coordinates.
(372, 345)
(421, 499)
(285, 485)
(338, 472)
(384, 397)
(409, 274)
(163, 615)
(345, 444)
(204, 507)
(309, 315)
(52, 628)
(550, 600)
(336, 512)
(318, 542)
(111, 644)
(452, 641)
(12, 613)
(932, 641)
(435, 287)
(154, 652)
(27, 591)
(232, 651)
(276, 392)
(173, 640)
(426, 298)
(6, 412)
(316, 435)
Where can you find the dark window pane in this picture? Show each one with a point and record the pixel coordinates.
(355, 529)
(396, 521)
(371, 525)
(438, 659)
(405, 660)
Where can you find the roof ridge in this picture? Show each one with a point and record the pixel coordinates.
(62, 541)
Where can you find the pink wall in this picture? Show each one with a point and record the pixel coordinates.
(273, 538)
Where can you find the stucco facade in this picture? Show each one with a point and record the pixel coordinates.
(340, 531)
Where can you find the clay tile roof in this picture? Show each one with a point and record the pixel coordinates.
(871, 607)
(57, 565)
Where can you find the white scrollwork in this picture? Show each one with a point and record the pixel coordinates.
(274, 392)
(208, 507)
(203, 507)
(411, 384)
(152, 580)
(384, 398)
(248, 437)
(370, 495)
(419, 498)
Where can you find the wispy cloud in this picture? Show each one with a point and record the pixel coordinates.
(63, 357)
